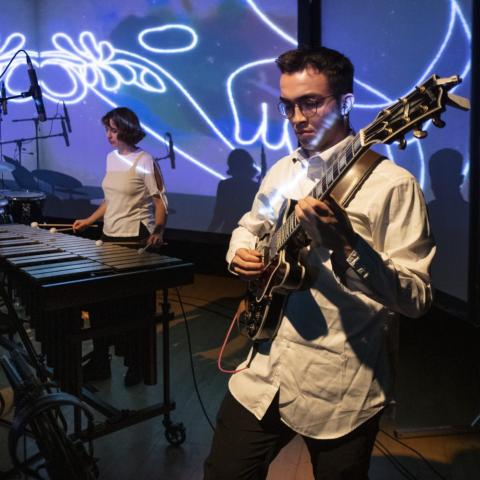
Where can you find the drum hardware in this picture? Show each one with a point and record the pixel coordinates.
(38, 411)
(5, 216)
(24, 206)
(20, 141)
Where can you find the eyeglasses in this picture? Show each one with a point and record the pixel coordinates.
(308, 106)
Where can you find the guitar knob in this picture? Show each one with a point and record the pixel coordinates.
(418, 133)
(438, 122)
(402, 143)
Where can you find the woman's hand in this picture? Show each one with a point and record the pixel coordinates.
(156, 237)
(79, 225)
(155, 240)
(82, 224)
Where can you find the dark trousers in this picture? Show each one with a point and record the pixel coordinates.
(243, 447)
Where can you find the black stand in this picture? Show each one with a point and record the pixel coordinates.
(63, 119)
(37, 410)
(116, 419)
(38, 137)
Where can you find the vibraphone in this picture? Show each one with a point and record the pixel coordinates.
(57, 276)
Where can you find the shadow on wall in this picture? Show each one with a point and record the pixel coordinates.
(235, 194)
(449, 217)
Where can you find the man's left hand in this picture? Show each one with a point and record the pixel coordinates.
(326, 223)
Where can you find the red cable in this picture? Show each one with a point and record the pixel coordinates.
(227, 336)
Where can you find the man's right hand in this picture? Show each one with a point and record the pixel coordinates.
(247, 264)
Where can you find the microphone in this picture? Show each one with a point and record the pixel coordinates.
(4, 99)
(171, 151)
(65, 134)
(67, 118)
(36, 92)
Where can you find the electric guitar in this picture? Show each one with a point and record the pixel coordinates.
(260, 312)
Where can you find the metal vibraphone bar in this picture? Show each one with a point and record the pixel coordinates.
(57, 276)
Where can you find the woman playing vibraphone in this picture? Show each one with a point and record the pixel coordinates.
(134, 210)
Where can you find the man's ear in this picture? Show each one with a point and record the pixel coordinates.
(346, 103)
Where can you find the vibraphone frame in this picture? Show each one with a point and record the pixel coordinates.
(57, 276)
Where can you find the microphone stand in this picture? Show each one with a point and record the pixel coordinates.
(36, 122)
(170, 154)
(19, 141)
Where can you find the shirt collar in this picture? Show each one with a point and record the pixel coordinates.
(317, 164)
(327, 156)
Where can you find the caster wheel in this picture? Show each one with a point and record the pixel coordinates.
(175, 434)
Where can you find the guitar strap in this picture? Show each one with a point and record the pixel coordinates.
(353, 179)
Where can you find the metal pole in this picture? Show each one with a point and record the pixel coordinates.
(474, 195)
(309, 23)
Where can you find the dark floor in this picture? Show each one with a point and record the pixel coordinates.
(438, 387)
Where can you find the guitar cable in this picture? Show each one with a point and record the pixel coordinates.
(224, 344)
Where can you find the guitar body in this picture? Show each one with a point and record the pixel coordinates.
(260, 313)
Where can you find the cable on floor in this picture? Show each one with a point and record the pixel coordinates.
(190, 353)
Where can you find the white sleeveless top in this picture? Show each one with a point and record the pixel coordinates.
(128, 187)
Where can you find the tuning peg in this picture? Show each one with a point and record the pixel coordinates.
(402, 143)
(419, 133)
(438, 122)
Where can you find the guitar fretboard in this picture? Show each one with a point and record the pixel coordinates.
(352, 150)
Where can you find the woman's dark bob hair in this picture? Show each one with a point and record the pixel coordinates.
(129, 129)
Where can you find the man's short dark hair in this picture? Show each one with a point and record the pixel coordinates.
(129, 129)
(334, 65)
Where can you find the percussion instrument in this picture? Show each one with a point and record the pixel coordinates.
(57, 276)
(4, 214)
(25, 206)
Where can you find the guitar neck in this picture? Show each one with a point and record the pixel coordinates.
(344, 160)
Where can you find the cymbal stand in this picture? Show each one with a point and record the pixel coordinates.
(36, 122)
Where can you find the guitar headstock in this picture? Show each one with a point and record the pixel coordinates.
(427, 101)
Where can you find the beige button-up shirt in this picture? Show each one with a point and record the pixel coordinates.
(330, 360)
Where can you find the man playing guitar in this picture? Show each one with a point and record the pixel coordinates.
(325, 374)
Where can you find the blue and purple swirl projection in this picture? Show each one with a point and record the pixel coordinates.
(394, 47)
(205, 72)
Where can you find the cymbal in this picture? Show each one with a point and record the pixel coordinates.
(6, 167)
(56, 179)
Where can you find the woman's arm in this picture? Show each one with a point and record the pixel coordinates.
(79, 225)
(156, 238)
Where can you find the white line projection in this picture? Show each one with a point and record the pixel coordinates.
(97, 67)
